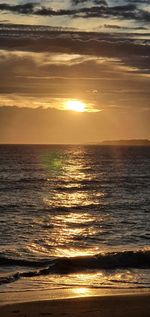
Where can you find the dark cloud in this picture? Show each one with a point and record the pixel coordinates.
(139, 1)
(34, 39)
(120, 27)
(27, 8)
(76, 2)
(128, 11)
(101, 2)
(97, 2)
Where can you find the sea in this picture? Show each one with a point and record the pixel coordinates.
(74, 216)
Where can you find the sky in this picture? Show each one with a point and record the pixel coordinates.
(94, 52)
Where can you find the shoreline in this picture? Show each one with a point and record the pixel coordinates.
(114, 305)
(18, 296)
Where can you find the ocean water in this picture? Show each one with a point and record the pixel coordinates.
(74, 216)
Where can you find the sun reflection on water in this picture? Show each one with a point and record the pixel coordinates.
(81, 291)
(68, 201)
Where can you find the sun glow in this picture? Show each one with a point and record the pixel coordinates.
(75, 105)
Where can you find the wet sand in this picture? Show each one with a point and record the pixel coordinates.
(102, 306)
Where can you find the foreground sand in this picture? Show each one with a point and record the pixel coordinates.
(102, 306)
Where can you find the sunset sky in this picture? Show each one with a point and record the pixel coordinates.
(93, 53)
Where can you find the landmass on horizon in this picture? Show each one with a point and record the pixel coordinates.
(132, 142)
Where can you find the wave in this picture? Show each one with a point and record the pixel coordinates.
(105, 261)
(22, 262)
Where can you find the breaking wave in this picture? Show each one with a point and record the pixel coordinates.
(67, 265)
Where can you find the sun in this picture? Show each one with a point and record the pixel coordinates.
(75, 105)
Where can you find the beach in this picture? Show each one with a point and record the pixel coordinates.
(126, 305)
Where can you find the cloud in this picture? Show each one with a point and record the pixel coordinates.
(39, 39)
(100, 9)
(71, 65)
(121, 27)
(40, 63)
(138, 1)
(30, 1)
(27, 8)
(39, 78)
(97, 2)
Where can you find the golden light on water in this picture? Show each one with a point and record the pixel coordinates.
(68, 195)
(81, 291)
(75, 105)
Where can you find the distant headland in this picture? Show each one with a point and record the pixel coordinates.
(132, 142)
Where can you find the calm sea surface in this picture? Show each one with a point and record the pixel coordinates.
(74, 216)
